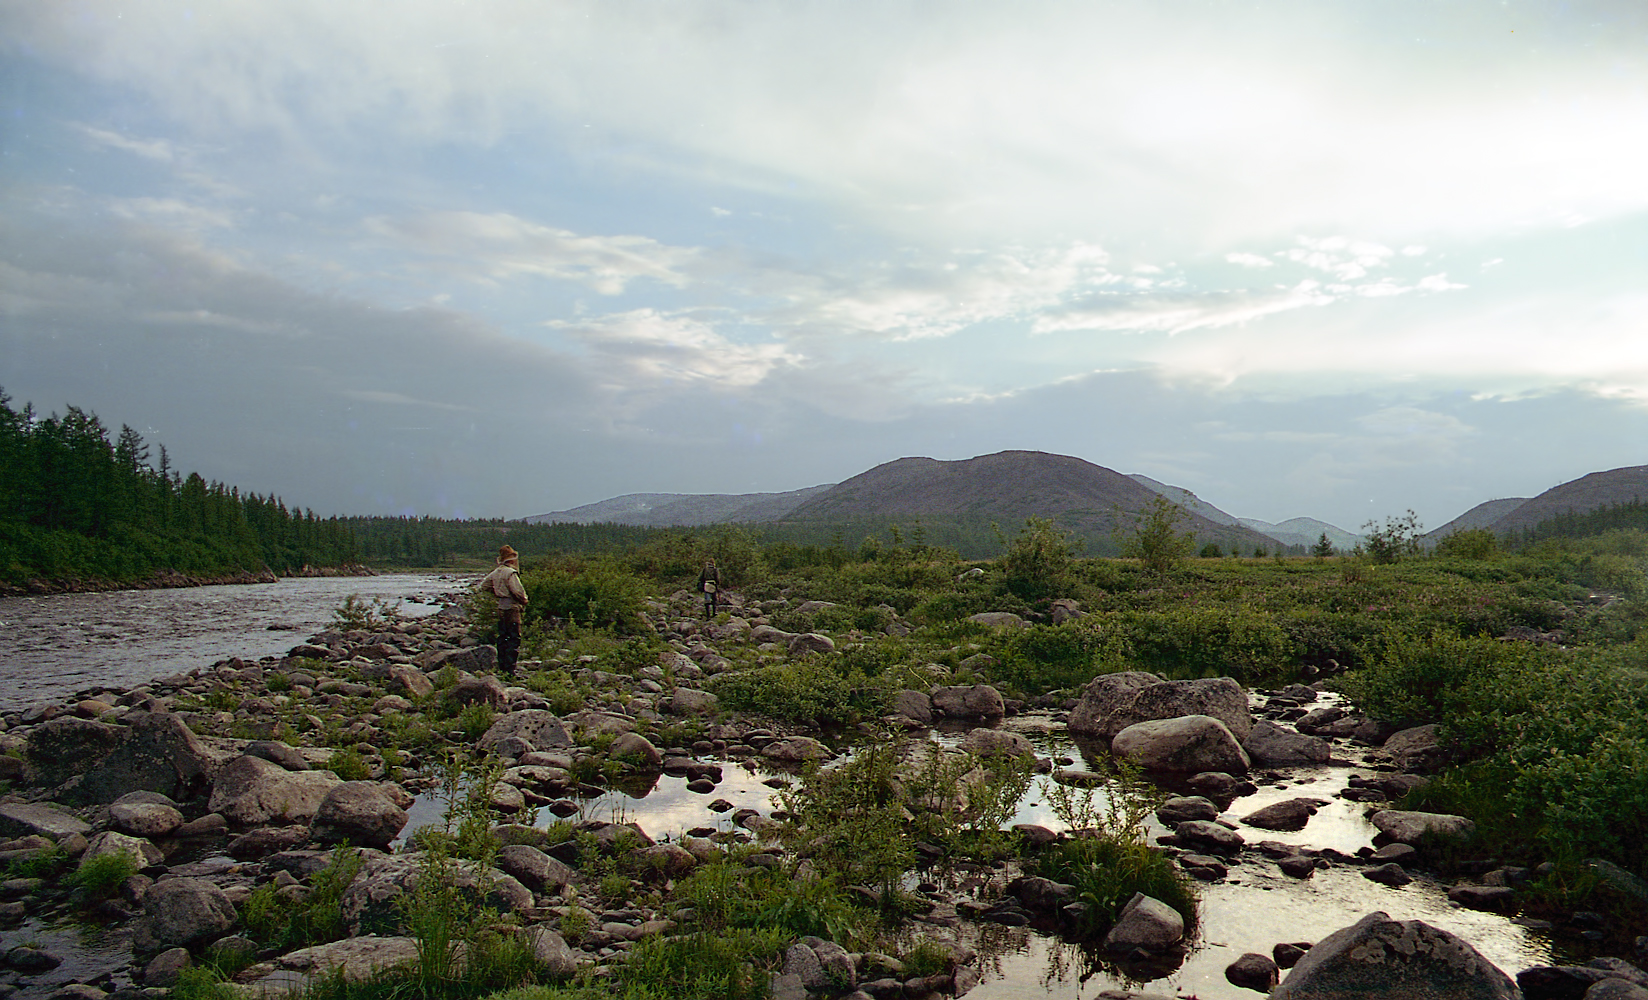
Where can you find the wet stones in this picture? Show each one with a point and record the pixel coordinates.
(1147, 923)
(1408, 827)
(1186, 807)
(1290, 814)
(539, 729)
(251, 791)
(1391, 874)
(1192, 743)
(1494, 898)
(1112, 703)
(1271, 745)
(1378, 956)
(1297, 866)
(1253, 971)
(1208, 836)
(997, 743)
(367, 813)
(976, 701)
(181, 913)
(1417, 750)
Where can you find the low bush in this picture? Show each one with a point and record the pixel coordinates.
(1107, 871)
(811, 689)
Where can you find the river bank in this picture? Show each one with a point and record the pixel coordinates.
(242, 770)
(172, 579)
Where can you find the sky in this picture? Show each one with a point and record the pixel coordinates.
(1311, 258)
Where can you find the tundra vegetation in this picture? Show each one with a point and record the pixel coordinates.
(1533, 663)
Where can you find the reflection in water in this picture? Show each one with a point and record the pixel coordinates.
(1255, 908)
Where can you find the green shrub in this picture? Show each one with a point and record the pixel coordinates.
(1108, 871)
(594, 592)
(348, 764)
(1472, 543)
(1208, 640)
(810, 689)
(284, 923)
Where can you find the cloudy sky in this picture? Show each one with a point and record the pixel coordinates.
(499, 258)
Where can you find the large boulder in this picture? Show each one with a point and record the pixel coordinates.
(25, 819)
(65, 748)
(159, 754)
(1115, 701)
(1406, 827)
(251, 791)
(917, 706)
(692, 701)
(181, 913)
(349, 960)
(1394, 960)
(1103, 697)
(1190, 744)
(367, 813)
(975, 701)
(997, 743)
(138, 850)
(1417, 750)
(1270, 745)
(1145, 922)
(796, 750)
(533, 868)
(488, 691)
(538, 727)
(138, 815)
(1289, 814)
(374, 901)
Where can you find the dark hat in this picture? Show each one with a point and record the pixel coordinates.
(506, 554)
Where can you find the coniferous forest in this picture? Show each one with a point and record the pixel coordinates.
(79, 508)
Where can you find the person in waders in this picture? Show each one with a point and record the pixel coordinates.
(505, 584)
(709, 583)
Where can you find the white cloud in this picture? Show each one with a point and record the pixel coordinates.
(150, 149)
(172, 212)
(938, 297)
(1178, 313)
(1101, 119)
(642, 349)
(499, 246)
(1249, 260)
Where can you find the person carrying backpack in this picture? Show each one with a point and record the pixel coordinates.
(505, 584)
(709, 584)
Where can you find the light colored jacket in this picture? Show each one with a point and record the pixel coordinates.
(505, 584)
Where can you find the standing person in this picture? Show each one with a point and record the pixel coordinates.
(505, 584)
(709, 582)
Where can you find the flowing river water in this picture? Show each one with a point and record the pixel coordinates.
(54, 646)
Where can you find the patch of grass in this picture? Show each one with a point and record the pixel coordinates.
(282, 922)
(730, 964)
(348, 764)
(1107, 872)
(475, 720)
(100, 877)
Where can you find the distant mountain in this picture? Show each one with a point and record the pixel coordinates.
(1578, 496)
(1306, 531)
(1006, 488)
(1483, 515)
(683, 509)
(1186, 499)
(1296, 531)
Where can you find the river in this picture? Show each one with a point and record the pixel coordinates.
(54, 645)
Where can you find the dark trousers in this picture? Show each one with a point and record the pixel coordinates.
(509, 640)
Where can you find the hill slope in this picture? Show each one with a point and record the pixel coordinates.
(1577, 496)
(1305, 531)
(1483, 515)
(1186, 499)
(1006, 488)
(664, 510)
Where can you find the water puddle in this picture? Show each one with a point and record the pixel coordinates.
(89, 955)
(1253, 909)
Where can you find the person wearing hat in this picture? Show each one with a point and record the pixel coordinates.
(505, 584)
